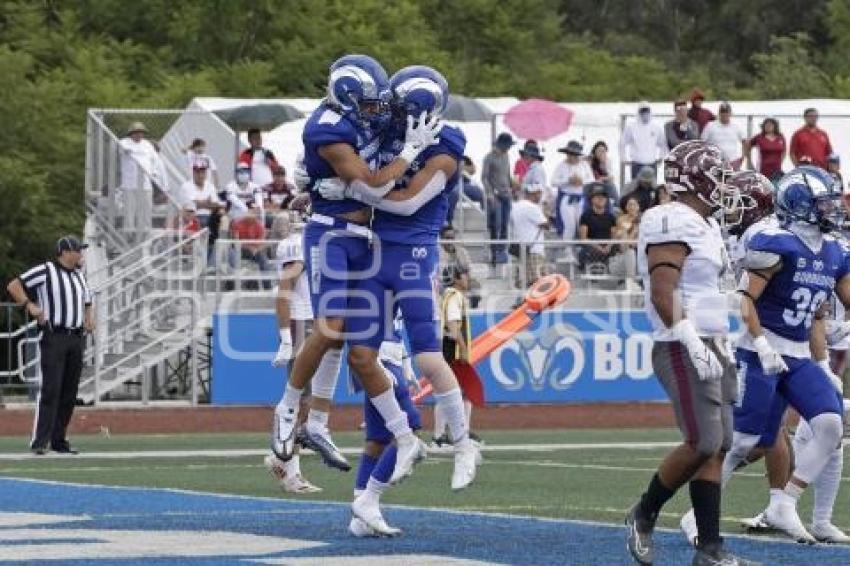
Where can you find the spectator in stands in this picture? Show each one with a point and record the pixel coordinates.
(600, 164)
(242, 195)
(569, 179)
(200, 196)
(810, 144)
(279, 193)
(452, 253)
(644, 189)
(624, 260)
(259, 160)
(528, 223)
(250, 228)
(596, 223)
(643, 142)
(680, 128)
(662, 195)
(770, 144)
(536, 175)
(833, 166)
(138, 164)
(471, 189)
(196, 154)
(526, 159)
(498, 188)
(727, 136)
(697, 113)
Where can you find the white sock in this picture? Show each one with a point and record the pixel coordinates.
(317, 421)
(324, 381)
(358, 492)
(439, 423)
(291, 399)
(394, 418)
(776, 496)
(467, 410)
(793, 492)
(451, 403)
(826, 487)
(374, 490)
(292, 467)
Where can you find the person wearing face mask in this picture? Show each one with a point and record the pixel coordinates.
(55, 293)
(643, 142)
(242, 195)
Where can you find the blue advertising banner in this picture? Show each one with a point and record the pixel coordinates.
(564, 357)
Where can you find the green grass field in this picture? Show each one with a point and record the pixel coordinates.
(595, 483)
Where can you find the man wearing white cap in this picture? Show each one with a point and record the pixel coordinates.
(138, 166)
(643, 142)
(527, 224)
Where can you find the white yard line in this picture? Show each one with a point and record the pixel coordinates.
(241, 452)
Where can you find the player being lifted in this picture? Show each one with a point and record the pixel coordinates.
(341, 140)
(681, 257)
(407, 224)
(791, 271)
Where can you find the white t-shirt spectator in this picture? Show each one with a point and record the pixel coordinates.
(200, 160)
(243, 199)
(536, 175)
(727, 137)
(290, 250)
(138, 161)
(564, 171)
(190, 193)
(454, 307)
(527, 218)
(643, 142)
(261, 173)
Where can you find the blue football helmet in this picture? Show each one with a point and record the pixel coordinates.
(358, 85)
(417, 89)
(810, 194)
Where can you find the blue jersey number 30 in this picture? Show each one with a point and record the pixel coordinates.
(807, 306)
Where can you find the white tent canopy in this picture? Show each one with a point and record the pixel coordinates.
(591, 122)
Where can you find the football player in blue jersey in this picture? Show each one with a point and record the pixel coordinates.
(407, 223)
(341, 140)
(791, 270)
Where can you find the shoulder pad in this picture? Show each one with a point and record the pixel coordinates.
(755, 260)
(326, 126)
(664, 223)
(453, 140)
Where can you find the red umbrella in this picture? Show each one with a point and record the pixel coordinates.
(538, 119)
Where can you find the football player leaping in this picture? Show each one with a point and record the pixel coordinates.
(681, 257)
(791, 271)
(341, 140)
(407, 224)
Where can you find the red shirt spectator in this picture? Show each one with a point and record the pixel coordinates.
(810, 144)
(261, 160)
(770, 144)
(697, 113)
(247, 228)
(525, 160)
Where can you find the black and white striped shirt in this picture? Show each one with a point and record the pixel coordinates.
(62, 293)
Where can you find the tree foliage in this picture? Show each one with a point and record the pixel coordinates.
(58, 58)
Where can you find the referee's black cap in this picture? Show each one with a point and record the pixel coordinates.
(69, 244)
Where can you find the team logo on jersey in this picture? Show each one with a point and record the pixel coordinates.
(801, 263)
(557, 356)
(818, 265)
(419, 253)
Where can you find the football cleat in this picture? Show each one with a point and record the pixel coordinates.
(358, 528)
(467, 459)
(756, 524)
(367, 510)
(411, 451)
(638, 537)
(290, 483)
(322, 443)
(688, 524)
(718, 556)
(283, 435)
(829, 533)
(783, 516)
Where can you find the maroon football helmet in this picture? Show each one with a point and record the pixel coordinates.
(755, 202)
(698, 167)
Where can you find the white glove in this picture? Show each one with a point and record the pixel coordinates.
(284, 352)
(302, 178)
(357, 190)
(836, 331)
(706, 363)
(331, 189)
(833, 379)
(420, 134)
(771, 362)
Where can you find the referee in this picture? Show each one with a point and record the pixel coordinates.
(63, 311)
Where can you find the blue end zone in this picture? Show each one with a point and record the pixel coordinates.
(118, 520)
